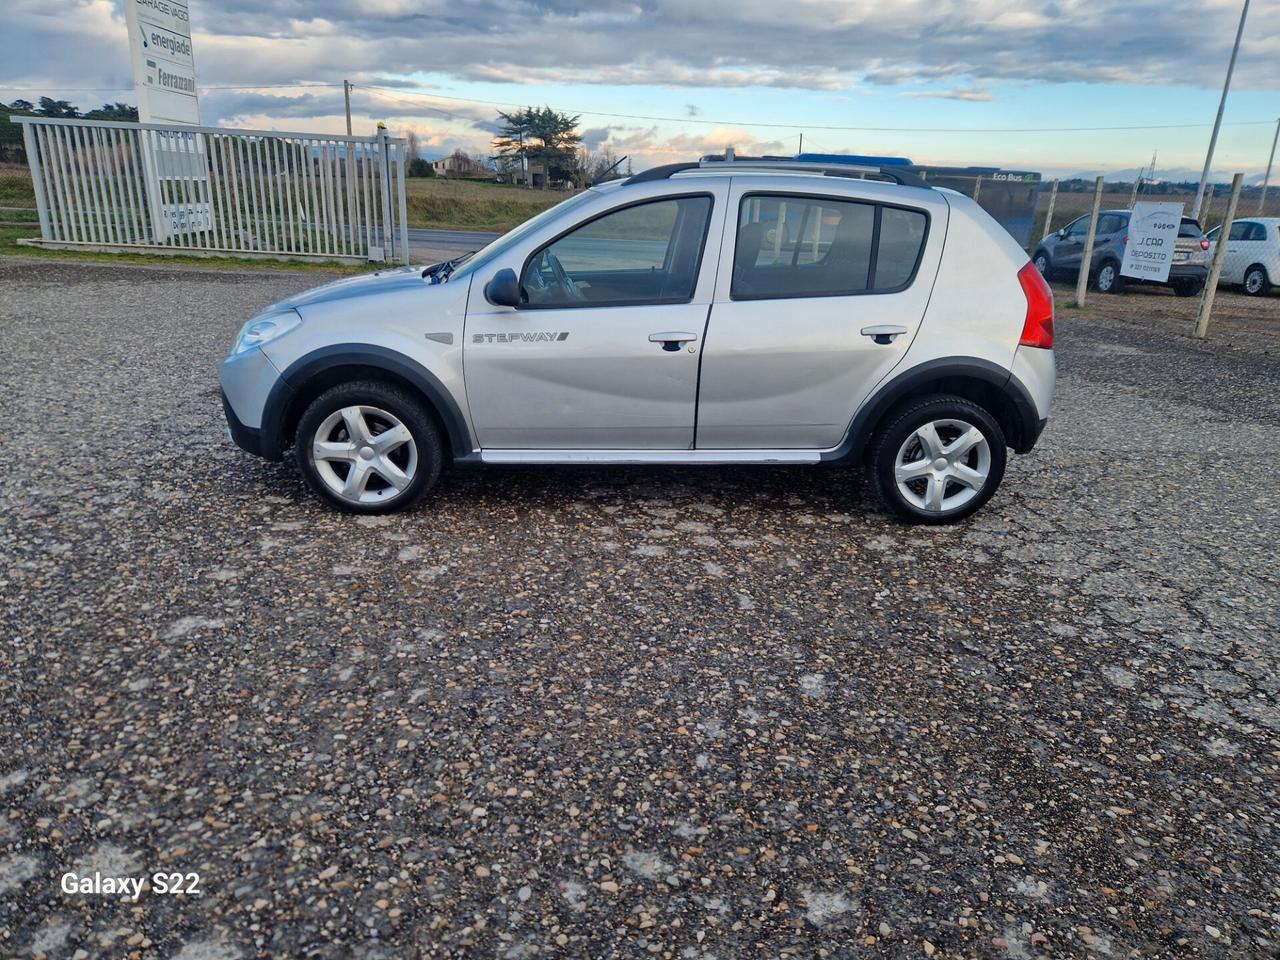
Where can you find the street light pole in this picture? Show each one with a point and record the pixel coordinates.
(1262, 201)
(1217, 123)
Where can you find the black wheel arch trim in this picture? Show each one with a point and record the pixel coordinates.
(304, 369)
(974, 368)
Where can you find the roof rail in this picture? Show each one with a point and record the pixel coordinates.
(731, 164)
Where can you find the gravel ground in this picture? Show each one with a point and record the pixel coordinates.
(692, 713)
(1251, 324)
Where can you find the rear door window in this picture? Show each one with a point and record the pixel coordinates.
(796, 246)
(1110, 223)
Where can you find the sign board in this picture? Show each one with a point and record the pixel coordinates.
(1153, 230)
(164, 67)
(164, 73)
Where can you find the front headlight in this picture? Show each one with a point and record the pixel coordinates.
(262, 330)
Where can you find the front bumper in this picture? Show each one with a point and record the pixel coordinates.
(253, 394)
(246, 438)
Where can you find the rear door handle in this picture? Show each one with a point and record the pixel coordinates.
(672, 339)
(884, 333)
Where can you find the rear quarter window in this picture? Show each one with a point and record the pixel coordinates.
(1189, 228)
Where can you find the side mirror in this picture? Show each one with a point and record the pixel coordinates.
(504, 289)
(1062, 233)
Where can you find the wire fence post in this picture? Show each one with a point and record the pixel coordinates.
(1266, 179)
(1086, 257)
(1219, 254)
(1053, 200)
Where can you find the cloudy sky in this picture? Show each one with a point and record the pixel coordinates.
(1015, 83)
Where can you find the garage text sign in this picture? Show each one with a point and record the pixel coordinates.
(164, 68)
(1153, 230)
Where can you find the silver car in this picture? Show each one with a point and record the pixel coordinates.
(733, 312)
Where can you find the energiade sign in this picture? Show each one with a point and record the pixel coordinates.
(164, 67)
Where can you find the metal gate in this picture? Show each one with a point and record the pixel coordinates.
(146, 186)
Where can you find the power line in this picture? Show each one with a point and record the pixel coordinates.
(398, 95)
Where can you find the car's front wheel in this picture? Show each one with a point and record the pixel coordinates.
(368, 447)
(1042, 262)
(937, 459)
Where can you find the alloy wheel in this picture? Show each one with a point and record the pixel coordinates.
(1254, 281)
(1106, 278)
(943, 465)
(364, 454)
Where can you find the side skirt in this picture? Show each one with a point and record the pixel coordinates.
(668, 457)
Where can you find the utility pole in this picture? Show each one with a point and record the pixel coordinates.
(1262, 201)
(1219, 254)
(1217, 123)
(801, 150)
(1086, 266)
(1048, 217)
(346, 96)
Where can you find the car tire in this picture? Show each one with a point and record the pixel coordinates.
(378, 430)
(1106, 279)
(1188, 288)
(1042, 262)
(1256, 282)
(921, 489)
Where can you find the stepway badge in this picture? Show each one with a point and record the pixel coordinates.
(1153, 230)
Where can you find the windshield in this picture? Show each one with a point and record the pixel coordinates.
(498, 247)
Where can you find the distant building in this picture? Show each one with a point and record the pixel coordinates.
(459, 165)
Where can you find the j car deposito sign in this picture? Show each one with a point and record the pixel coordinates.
(1153, 229)
(164, 68)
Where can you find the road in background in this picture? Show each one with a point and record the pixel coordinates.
(430, 246)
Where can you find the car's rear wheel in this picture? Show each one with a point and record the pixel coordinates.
(937, 459)
(368, 447)
(1107, 278)
(1188, 288)
(1256, 282)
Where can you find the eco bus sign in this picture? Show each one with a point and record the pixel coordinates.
(1153, 231)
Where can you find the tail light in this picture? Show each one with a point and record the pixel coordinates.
(1204, 243)
(1037, 328)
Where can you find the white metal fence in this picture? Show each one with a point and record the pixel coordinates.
(208, 189)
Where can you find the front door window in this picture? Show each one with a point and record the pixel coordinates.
(647, 253)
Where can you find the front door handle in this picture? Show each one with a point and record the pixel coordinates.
(884, 333)
(672, 339)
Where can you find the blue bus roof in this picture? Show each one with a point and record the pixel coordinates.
(855, 159)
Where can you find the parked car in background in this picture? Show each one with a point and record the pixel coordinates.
(1253, 254)
(696, 313)
(1058, 255)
